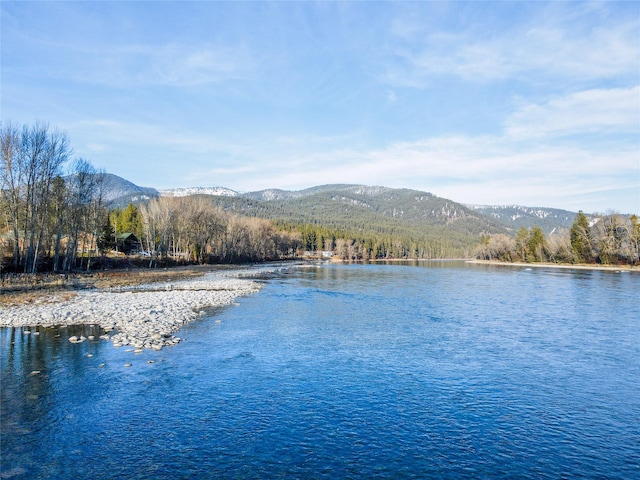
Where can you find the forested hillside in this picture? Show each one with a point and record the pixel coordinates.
(119, 192)
(381, 221)
(516, 216)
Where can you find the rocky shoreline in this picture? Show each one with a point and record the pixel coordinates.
(142, 316)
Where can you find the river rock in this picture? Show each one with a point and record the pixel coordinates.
(147, 319)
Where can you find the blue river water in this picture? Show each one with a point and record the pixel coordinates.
(429, 370)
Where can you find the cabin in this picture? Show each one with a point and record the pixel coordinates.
(128, 243)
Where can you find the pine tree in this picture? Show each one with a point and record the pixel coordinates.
(581, 238)
(107, 239)
(535, 245)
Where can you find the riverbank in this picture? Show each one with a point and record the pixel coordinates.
(141, 315)
(610, 268)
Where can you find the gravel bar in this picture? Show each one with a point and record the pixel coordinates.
(144, 317)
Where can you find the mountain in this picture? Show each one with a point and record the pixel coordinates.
(119, 192)
(185, 192)
(515, 217)
(346, 206)
(276, 194)
(364, 208)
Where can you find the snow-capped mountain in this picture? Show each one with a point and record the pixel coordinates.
(186, 191)
(517, 216)
(118, 191)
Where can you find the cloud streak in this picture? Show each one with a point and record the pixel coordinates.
(556, 50)
(602, 111)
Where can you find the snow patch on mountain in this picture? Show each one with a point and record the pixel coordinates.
(186, 191)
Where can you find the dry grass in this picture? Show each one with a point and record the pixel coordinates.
(39, 288)
(40, 296)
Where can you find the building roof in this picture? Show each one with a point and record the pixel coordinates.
(127, 236)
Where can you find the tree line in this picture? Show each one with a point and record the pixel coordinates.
(45, 215)
(613, 239)
(368, 243)
(57, 220)
(194, 230)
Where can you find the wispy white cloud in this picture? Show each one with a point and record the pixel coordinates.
(155, 136)
(490, 169)
(553, 49)
(185, 65)
(602, 111)
(126, 66)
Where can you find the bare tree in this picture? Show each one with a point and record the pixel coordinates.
(559, 247)
(81, 188)
(31, 159)
(158, 219)
(236, 246)
(632, 227)
(59, 205)
(13, 181)
(497, 247)
(609, 231)
(97, 212)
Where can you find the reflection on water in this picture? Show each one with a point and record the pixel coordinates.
(32, 360)
(441, 370)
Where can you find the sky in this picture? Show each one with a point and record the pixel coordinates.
(491, 103)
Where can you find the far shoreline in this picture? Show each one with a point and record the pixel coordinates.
(566, 266)
(500, 263)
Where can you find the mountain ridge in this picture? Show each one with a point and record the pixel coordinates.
(117, 190)
(311, 204)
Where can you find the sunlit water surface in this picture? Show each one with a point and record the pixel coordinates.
(441, 370)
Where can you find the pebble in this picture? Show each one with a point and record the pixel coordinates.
(144, 320)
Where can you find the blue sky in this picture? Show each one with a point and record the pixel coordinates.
(533, 104)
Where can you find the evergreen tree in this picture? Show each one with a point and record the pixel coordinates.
(130, 220)
(581, 238)
(535, 245)
(107, 239)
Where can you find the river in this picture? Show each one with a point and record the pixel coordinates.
(422, 370)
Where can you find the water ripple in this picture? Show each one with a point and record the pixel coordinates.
(347, 372)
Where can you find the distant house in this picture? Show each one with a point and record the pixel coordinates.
(127, 243)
